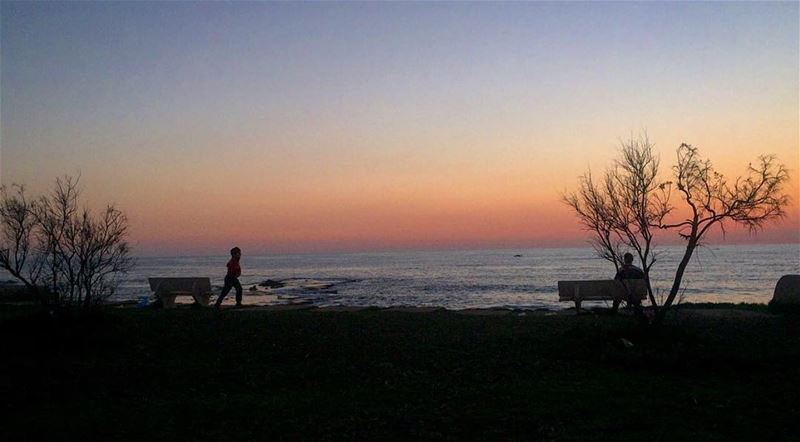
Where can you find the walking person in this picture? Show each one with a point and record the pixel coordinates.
(232, 278)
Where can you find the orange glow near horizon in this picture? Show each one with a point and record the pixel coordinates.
(500, 198)
(388, 216)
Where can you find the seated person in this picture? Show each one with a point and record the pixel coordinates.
(629, 271)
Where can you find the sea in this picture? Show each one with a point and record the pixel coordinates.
(513, 279)
(508, 278)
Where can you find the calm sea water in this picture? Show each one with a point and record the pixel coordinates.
(473, 279)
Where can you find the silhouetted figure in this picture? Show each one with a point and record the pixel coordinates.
(630, 271)
(232, 278)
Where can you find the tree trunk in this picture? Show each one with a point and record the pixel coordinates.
(37, 292)
(87, 301)
(676, 284)
(650, 291)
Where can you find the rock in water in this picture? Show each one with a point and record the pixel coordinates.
(272, 284)
(787, 293)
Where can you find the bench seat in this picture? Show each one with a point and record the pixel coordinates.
(167, 289)
(600, 290)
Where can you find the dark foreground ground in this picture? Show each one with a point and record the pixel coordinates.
(192, 374)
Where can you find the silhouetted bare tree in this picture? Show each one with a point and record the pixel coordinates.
(750, 201)
(78, 255)
(625, 207)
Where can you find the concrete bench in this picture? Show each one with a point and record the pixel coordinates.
(167, 289)
(600, 290)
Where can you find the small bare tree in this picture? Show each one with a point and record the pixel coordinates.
(76, 254)
(55, 213)
(101, 254)
(640, 201)
(750, 201)
(625, 207)
(18, 252)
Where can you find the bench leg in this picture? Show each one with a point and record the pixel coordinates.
(615, 305)
(168, 300)
(203, 299)
(577, 306)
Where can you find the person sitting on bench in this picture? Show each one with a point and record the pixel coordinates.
(630, 271)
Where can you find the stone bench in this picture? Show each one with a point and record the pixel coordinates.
(167, 289)
(600, 290)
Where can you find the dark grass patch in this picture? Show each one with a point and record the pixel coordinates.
(746, 306)
(197, 375)
(791, 309)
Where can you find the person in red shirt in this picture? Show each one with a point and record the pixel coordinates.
(232, 278)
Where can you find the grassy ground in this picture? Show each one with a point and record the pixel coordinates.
(131, 374)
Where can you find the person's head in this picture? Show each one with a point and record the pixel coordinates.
(236, 252)
(628, 258)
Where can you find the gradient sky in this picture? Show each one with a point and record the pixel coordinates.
(294, 127)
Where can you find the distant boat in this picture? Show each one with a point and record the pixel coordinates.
(517, 256)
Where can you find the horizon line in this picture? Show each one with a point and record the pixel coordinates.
(456, 249)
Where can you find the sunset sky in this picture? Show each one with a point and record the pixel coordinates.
(303, 127)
